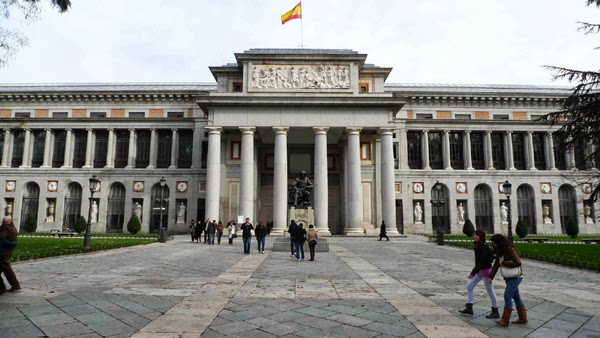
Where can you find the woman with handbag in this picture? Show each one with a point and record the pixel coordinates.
(484, 257)
(311, 237)
(231, 231)
(509, 264)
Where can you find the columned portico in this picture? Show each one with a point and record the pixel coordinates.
(321, 190)
(280, 174)
(510, 162)
(89, 148)
(47, 143)
(131, 154)
(247, 174)
(213, 172)
(354, 224)
(388, 192)
(467, 150)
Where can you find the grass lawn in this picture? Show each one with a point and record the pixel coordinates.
(517, 238)
(94, 234)
(34, 248)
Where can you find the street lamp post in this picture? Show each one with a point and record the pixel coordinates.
(507, 188)
(162, 233)
(94, 182)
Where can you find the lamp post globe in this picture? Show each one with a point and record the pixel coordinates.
(507, 189)
(94, 183)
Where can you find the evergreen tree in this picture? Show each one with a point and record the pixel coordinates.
(80, 225)
(468, 228)
(30, 224)
(572, 228)
(521, 229)
(134, 225)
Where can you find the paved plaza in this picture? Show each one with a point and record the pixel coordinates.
(361, 288)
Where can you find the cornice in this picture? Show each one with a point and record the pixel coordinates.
(484, 101)
(91, 97)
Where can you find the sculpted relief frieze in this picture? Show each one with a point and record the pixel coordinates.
(300, 77)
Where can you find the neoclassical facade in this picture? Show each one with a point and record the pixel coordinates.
(421, 157)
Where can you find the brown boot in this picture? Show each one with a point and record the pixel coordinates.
(522, 315)
(505, 320)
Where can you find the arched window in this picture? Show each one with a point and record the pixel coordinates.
(566, 204)
(440, 209)
(30, 201)
(72, 205)
(484, 214)
(116, 208)
(526, 207)
(159, 210)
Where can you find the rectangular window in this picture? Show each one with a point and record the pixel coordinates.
(236, 150)
(363, 88)
(137, 114)
(498, 151)
(101, 148)
(39, 141)
(539, 155)
(477, 151)
(122, 148)
(79, 148)
(462, 116)
(186, 147)
(238, 87)
(500, 116)
(435, 150)
(96, 114)
(58, 158)
(60, 115)
(415, 160)
(175, 114)
(22, 115)
(425, 116)
(365, 151)
(518, 150)
(456, 150)
(18, 143)
(142, 155)
(560, 159)
(163, 158)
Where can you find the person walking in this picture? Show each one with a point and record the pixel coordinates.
(8, 232)
(261, 232)
(205, 229)
(507, 258)
(247, 235)
(484, 257)
(212, 229)
(193, 230)
(231, 228)
(299, 241)
(292, 231)
(311, 237)
(199, 229)
(220, 228)
(383, 231)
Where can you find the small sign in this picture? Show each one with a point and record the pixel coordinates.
(241, 219)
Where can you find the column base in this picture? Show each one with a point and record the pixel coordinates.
(554, 169)
(278, 232)
(533, 169)
(323, 232)
(449, 168)
(67, 167)
(392, 232)
(24, 166)
(172, 167)
(354, 232)
(45, 166)
(129, 167)
(470, 168)
(86, 167)
(512, 169)
(108, 167)
(150, 167)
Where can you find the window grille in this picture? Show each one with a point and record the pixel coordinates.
(415, 160)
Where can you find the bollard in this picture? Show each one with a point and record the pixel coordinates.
(163, 235)
(440, 237)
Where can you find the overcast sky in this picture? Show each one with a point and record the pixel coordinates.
(435, 41)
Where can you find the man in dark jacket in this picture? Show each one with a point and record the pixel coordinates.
(261, 232)
(292, 231)
(8, 232)
(299, 240)
(247, 235)
(212, 228)
(383, 231)
(199, 230)
(206, 230)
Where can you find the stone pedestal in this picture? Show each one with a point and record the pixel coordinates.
(304, 216)
(282, 244)
(178, 228)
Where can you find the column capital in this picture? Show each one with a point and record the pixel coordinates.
(353, 130)
(111, 129)
(446, 131)
(27, 129)
(131, 129)
(426, 130)
(488, 131)
(174, 129)
(48, 129)
(6, 129)
(214, 130)
(153, 129)
(509, 132)
(387, 130)
(530, 132)
(69, 129)
(281, 130)
(89, 129)
(467, 131)
(320, 130)
(247, 130)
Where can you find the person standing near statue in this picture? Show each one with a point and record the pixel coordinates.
(261, 233)
(198, 231)
(299, 241)
(383, 231)
(311, 237)
(231, 228)
(193, 230)
(293, 228)
(8, 232)
(247, 235)
(212, 228)
(205, 229)
(220, 228)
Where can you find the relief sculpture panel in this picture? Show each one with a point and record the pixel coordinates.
(300, 77)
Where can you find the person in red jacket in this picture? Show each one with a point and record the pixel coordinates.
(8, 232)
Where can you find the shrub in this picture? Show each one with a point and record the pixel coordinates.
(521, 229)
(134, 226)
(30, 224)
(80, 225)
(572, 228)
(468, 228)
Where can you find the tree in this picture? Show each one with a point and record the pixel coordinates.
(468, 228)
(80, 225)
(11, 39)
(578, 116)
(30, 223)
(572, 228)
(521, 229)
(134, 225)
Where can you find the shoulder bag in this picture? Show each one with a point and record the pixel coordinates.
(510, 272)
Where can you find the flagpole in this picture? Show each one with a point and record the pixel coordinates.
(301, 30)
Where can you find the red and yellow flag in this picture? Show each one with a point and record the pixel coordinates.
(295, 13)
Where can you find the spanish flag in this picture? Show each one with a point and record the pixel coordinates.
(295, 13)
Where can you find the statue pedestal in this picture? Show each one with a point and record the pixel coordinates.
(304, 216)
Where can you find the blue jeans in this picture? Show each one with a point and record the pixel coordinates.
(247, 244)
(490, 289)
(299, 249)
(512, 292)
(261, 240)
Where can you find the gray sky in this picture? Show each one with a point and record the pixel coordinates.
(435, 41)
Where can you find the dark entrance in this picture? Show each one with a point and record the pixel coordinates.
(160, 200)
(440, 208)
(399, 217)
(484, 216)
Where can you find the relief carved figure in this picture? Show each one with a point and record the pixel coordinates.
(587, 214)
(137, 210)
(546, 214)
(300, 77)
(181, 213)
(94, 217)
(418, 213)
(461, 213)
(504, 213)
(50, 217)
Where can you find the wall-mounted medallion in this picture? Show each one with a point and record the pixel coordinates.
(417, 187)
(52, 186)
(586, 188)
(182, 186)
(500, 187)
(10, 186)
(546, 188)
(138, 186)
(461, 187)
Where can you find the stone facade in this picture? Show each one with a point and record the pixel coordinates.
(232, 148)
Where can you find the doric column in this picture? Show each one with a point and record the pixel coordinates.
(467, 149)
(388, 182)
(152, 158)
(110, 151)
(131, 156)
(26, 149)
(89, 148)
(355, 200)
(47, 148)
(321, 191)
(174, 148)
(446, 146)
(425, 150)
(197, 137)
(213, 172)
(550, 162)
(488, 150)
(530, 154)
(402, 149)
(510, 158)
(6, 148)
(247, 173)
(280, 185)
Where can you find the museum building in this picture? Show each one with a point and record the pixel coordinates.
(422, 158)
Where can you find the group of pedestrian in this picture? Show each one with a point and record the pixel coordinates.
(8, 241)
(488, 261)
(299, 236)
(210, 230)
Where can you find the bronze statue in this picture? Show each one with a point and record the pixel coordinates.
(301, 191)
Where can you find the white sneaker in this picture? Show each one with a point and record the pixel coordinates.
(263, 251)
